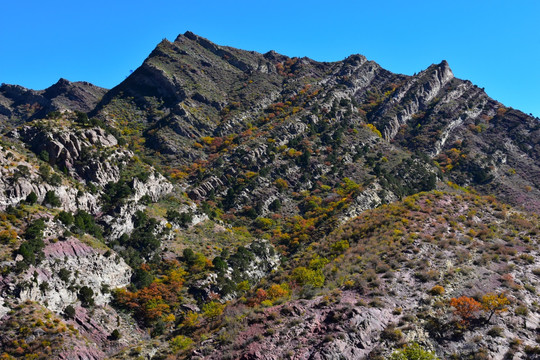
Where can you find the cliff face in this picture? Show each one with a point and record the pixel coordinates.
(85, 265)
(225, 203)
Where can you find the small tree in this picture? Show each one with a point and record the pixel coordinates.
(466, 308)
(493, 303)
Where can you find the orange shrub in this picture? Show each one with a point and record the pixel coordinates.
(466, 308)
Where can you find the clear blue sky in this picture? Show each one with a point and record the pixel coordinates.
(493, 43)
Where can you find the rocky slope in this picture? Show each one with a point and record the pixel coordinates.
(221, 203)
(396, 269)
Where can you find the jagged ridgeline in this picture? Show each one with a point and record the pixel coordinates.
(221, 203)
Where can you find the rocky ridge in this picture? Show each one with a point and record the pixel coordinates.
(18, 104)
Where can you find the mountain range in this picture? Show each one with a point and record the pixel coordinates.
(222, 203)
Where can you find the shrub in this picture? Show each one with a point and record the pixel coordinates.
(31, 249)
(65, 217)
(51, 199)
(281, 184)
(521, 311)
(115, 335)
(141, 278)
(466, 308)
(44, 155)
(413, 352)
(263, 223)
(305, 276)
(86, 295)
(55, 180)
(392, 334)
(181, 219)
(115, 194)
(437, 290)
(495, 331)
(275, 205)
(220, 265)
(31, 198)
(180, 343)
(154, 304)
(84, 222)
(8, 236)
(69, 312)
(277, 291)
(374, 129)
(82, 117)
(64, 274)
(340, 246)
(212, 310)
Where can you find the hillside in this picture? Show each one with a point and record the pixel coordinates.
(221, 203)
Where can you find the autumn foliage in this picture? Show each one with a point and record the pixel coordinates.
(158, 300)
(466, 308)
(493, 303)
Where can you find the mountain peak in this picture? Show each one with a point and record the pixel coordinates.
(445, 67)
(63, 81)
(191, 35)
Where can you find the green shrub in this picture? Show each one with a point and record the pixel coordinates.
(114, 194)
(182, 219)
(413, 352)
(65, 218)
(180, 343)
(51, 199)
(86, 295)
(44, 155)
(64, 274)
(392, 334)
(69, 312)
(82, 118)
(115, 335)
(521, 311)
(275, 205)
(84, 223)
(32, 249)
(304, 276)
(31, 198)
(55, 180)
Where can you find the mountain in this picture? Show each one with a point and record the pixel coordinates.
(221, 203)
(18, 104)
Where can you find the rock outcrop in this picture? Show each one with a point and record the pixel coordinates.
(77, 151)
(68, 266)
